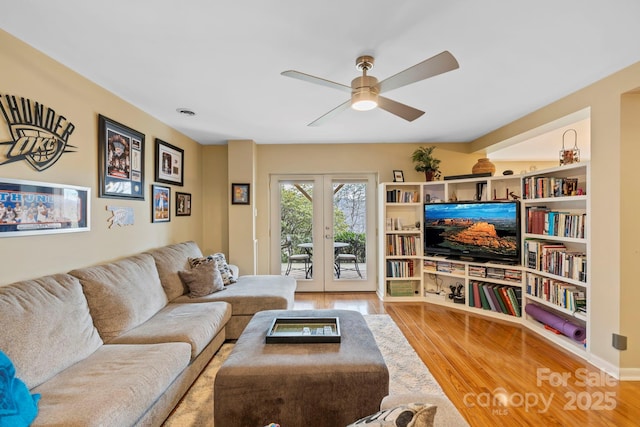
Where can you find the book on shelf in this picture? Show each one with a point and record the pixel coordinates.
(499, 298)
(483, 297)
(515, 295)
(402, 245)
(396, 195)
(457, 268)
(496, 292)
(444, 266)
(556, 292)
(493, 303)
(476, 295)
(538, 187)
(430, 265)
(400, 268)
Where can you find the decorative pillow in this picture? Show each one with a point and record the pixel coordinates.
(203, 279)
(223, 267)
(17, 406)
(221, 263)
(408, 415)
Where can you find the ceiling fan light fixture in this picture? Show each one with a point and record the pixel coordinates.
(364, 101)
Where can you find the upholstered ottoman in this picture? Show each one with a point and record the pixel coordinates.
(295, 385)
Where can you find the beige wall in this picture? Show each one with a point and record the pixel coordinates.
(29, 74)
(214, 202)
(630, 236)
(613, 208)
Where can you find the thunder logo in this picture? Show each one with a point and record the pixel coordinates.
(39, 134)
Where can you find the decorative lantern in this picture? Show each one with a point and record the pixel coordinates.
(569, 155)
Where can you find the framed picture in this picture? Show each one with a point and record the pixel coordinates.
(183, 204)
(169, 163)
(161, 202)
(240, 194)
(398, 176)
(31, 208)
(121, 160)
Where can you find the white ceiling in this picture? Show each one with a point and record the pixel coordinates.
(223, 60)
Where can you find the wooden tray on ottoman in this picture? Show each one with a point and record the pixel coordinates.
(292, 330)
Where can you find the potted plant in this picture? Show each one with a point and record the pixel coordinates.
(425, 162)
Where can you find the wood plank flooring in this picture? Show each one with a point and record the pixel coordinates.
(498, 373)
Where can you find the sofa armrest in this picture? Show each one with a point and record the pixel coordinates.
(234, 270)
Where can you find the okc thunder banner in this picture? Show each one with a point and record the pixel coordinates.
(40, 135)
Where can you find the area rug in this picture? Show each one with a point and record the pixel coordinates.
(409, 378)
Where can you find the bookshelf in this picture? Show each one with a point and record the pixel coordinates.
(554, 227)
(400, 269)
(555, 249)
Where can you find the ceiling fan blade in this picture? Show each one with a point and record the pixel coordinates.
(340, 108)
(317, 80)
(400, 110)
(441, 63)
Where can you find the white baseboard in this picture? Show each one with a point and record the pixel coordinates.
(630, 374)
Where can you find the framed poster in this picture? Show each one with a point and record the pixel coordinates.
(30, 208)
(183, 204)
(121, 160)
(240, 194)
(161, 202)
(169, 163)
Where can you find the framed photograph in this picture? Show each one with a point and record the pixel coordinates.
(121, 160)
(240, 194)
(398, 176)
(31, 208)
(183, 204)
(161, 202)
(169, 163)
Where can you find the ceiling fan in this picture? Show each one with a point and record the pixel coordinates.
(365, 90)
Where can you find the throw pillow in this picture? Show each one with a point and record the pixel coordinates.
(203, 279)
(17, 407)
(225, 271)
(408, 415)
(221, 263)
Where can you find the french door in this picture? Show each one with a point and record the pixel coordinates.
(323, 231)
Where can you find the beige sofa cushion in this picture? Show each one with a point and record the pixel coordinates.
(170, 260)
(122, 294)
(194, 324)
(253, 293)
(115, 386)
(46, 326)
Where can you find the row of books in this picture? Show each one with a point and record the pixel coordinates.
(556, 292)
(402, 196)
(400, 268)
(443, 266)
(402, 245)
(450, 267)
(509, 274)
(554, 258)
(542, 187)
(541, 220)
(498, 298)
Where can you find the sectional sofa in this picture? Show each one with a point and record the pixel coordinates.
(119, 344)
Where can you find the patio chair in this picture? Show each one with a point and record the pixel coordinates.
(345, 258)
(296, 258)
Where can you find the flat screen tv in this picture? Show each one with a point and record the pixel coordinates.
(479, 230)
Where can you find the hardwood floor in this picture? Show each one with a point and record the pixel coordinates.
(498, 373)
